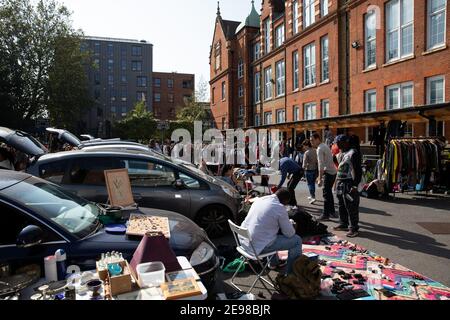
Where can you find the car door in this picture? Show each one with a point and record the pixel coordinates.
(13, 222)
(153, 186)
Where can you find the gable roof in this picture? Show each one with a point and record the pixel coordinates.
(229, 28)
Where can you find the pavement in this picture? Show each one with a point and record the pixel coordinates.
(388, 228)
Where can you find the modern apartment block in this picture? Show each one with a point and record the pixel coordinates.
(170, 93)
(300, 65)
(120, 75)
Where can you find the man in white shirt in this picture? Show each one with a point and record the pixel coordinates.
(266, 218)
(327, 175)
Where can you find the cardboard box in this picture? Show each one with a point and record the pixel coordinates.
(123, 283)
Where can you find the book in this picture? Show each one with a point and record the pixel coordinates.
(180, 289)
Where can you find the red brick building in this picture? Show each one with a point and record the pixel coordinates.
(304, 64)
(170, 91)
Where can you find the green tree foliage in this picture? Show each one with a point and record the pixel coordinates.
(32, 34)
(139, 125)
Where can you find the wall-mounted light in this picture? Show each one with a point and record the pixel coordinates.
(355, 45)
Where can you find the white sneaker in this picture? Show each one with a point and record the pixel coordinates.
(312, 201)
(309, 198)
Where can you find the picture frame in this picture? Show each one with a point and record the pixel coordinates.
(181, 275)
(119, 188)
(180, 289)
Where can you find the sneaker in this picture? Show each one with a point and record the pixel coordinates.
(309, 198)
(323, 218)
(278, 266)
(341, 228)
(352, 234)
(312, 201)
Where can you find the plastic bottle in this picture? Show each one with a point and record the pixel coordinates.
(61, 264)
(51, 273)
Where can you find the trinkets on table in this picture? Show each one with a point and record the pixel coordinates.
(70, 293)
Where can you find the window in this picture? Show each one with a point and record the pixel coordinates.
(142, 81)
(296, 113)
(170, 83)
(141, 96)
(435, 90)
(281, 116)
(257, 87)
(136, 65)
(112, 95)
(241, 111)
(149, 174)
(370, 101)
(157, 82)
(370, 46)
(310, 111)
(187, 84)
(123, 65)
(123, 94)
(224, 91)
(110, 64)
(268, 86)
(323, 8)
(436, 23)
(123, 79)
(97, 78)
(309, 72)
(400, 96)
(241, 91)
(240, 69)
(295, 70)
(308, 13)
(53, 172)
(279, 32)
(256, 51)
(399, 28)
(325, 58)
(123, 50)
(113, 110)
(190, 182)
(267, 36)
(97, 63)
(136, 51)
(97, 94)
(213, 95)
(110, 49)
(157, 97)
(267, 117)
(295, 17)
(217, 55)
(325, 105)
(257, 120)
(97, 48)
(281, 84)
(111, 80)
(170, 98)
(90, 171)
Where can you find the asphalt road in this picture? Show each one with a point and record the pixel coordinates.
(388, 228)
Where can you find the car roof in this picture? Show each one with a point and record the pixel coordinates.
(94, 151)
(9, 178)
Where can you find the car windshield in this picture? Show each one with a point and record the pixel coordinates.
(72, 213)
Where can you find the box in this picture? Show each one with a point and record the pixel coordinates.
(150, 274)
(102, 274)
(123, 283)
(312, 256)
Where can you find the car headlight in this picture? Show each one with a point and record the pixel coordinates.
(202, 254)
(232, 193)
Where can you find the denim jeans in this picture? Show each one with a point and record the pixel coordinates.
(292, 184)
(311, 177)
(283, 243)
(348, 205)
(328, 198)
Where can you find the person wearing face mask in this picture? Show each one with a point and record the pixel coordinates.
(6, 159)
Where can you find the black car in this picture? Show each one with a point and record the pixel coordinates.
(39, 218)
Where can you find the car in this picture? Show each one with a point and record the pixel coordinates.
(39, 217)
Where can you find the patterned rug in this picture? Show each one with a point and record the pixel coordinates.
(360, 269)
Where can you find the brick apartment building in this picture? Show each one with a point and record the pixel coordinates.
(170, 92)
(303, 64)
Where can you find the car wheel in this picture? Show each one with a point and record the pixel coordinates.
(214, 220)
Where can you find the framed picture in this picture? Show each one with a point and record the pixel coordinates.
(182, 275)
(119, 188)
(180, 289)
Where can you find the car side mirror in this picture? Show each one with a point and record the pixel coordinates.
(179, 184)
(29, 237)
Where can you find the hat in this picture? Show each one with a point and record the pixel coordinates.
(341, 138)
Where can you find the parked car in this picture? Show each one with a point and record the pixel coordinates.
(39, 217)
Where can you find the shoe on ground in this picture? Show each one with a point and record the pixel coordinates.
(313, 201)
(309, 198)
(278, 266)
(352, 234)
(341, 228)
(323, 218)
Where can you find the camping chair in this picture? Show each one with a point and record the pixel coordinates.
(247, 257)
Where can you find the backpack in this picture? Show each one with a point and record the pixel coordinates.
(307, 225)
(304, 282)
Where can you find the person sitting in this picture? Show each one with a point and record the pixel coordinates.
(266, 218)
(228, 176)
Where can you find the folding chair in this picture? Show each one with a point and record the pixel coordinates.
(247, 257)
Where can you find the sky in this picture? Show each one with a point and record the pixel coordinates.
(181, 31)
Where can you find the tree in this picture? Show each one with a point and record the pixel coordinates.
(30, 37)
(139, 124)
(194, 109)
